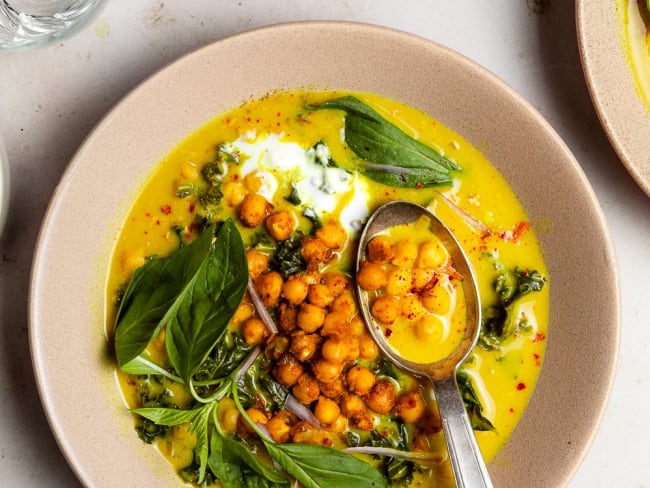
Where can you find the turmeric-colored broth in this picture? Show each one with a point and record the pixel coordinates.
(503, 379)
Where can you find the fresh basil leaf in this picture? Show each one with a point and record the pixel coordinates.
(167, 416)
(152, 290)
(390, 156)
(252, 460)
(224, 464)
(199, 316)
(322, 467)
(202, 447)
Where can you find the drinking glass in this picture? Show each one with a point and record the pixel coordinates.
(31, 23)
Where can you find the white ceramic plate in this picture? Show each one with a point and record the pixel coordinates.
(73, 368)
(610, 79)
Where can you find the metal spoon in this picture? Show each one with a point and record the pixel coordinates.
(466, 459)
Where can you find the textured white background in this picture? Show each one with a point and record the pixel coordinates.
(50, 99)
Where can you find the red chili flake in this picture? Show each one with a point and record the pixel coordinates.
(419, 185)
(521, 386)
(536, 358)
(539, 337)
(278, 114)
(511, 410)
(147, 214)
(519, 230)
(157, 222)
(192, 207)
(389, 332)
(166, 209)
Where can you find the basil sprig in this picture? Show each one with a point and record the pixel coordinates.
(389, 155)
(193, 292)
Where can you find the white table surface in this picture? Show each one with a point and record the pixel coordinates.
(50, 99)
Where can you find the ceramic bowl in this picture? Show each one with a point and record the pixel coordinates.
(74, 371)
(606, 57)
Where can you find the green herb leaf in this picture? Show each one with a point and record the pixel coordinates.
(224, 464)
(199, 316)
(472, 403)
(390, 156)
(167, 416)
(152, 290)
(321, 467)
(252, 460)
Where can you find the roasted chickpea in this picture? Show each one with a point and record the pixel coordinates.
(304, 346)
(306, 390)
(360, 380)
(437, 299)
(228, 415)
(363, 421)
(386, 309)
(410, 407)
(412, 308)
(281, 225)
(314, 252)
(371, 276)
(254, 331)
(345, 303)
(325, 371)
(233, 193)
(287, 317)
(429, 329)
(340, 425)
(382, 396)
(257, 263)
(352, 405)
(431, 255)
(269, 287)
(244, 311)
(368, 348)
(310, 317)
(335, 350)
(333, 235)
(357, 326)
(422, 279)
(319, 295)
(278, 429)
(295, 289)
(326, 411)
(336, 282)
(353, 349)
(333, 389)
(305, 433)
(335, 325)
(288, 370)
(380, 250)
(276, 347)
(398, 282)
(257, 415)
(406, 252)
(253, 210)
(253, 182)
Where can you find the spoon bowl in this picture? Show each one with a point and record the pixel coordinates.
(467, 462)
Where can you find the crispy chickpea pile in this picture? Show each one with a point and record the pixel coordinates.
(408, 283)
(322, 353)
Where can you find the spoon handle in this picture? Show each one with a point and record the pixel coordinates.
(466, 459)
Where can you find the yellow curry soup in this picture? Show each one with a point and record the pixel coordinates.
(282, 175)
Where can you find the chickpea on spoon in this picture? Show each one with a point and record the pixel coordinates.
(404, 254)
